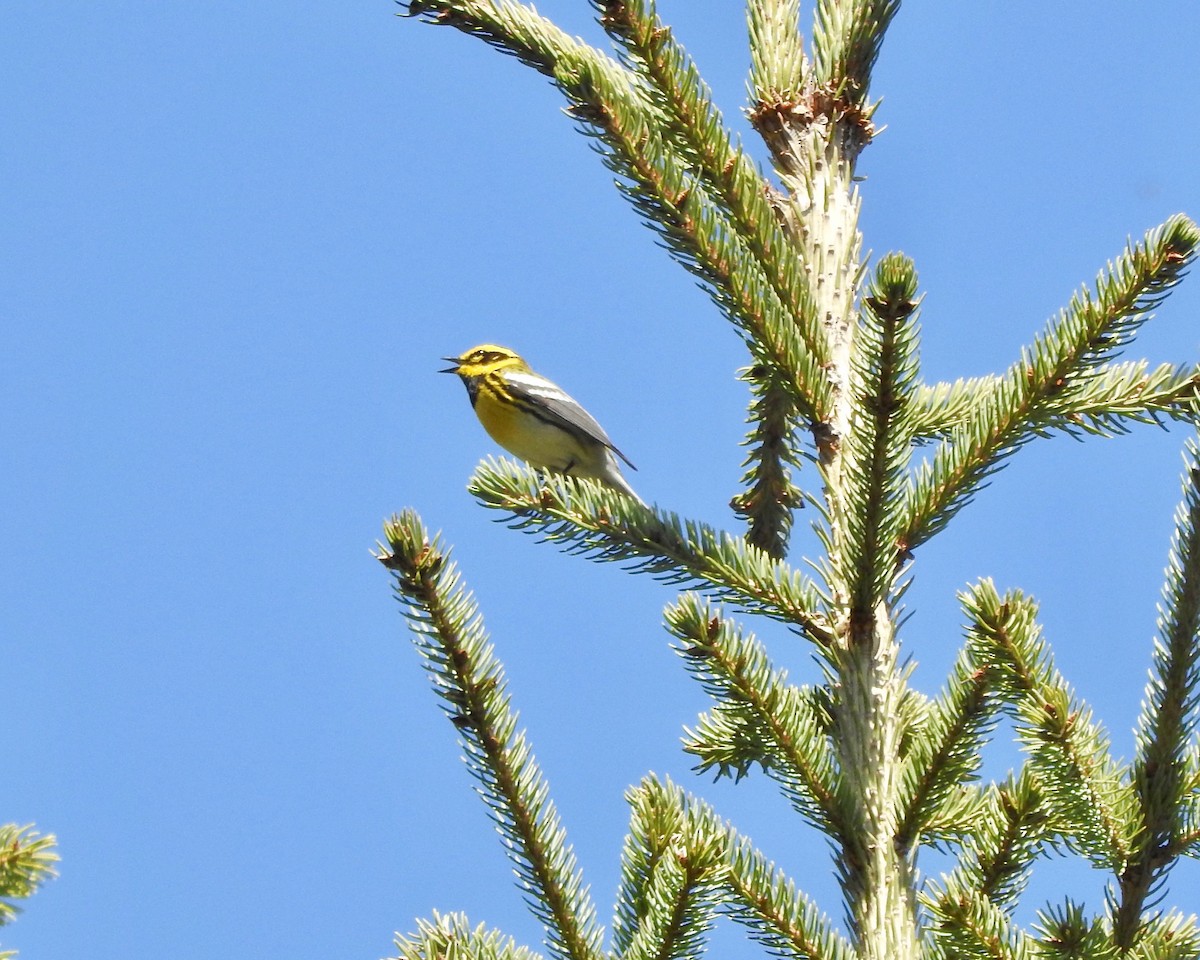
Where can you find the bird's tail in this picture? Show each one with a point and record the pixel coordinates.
(611, 474)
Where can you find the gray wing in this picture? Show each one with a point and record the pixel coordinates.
(552, 404)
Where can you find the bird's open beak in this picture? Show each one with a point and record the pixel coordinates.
(453, 369)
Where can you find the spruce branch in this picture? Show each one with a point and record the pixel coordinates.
(1068, 751)
(1122, 394)
(782, 918)
(1023, 403)
(759, 707)
(672, 874)
(667, 190)
(728, 742)
(1105, 403)
(946, 752)
(586, 518)
(1085, 788)
(778, 65)
(937, 408)
(449, 633)
(753, 891)
(702, 243)
(1169, 936)
(695, 126)
(1066, 932)
(451, 937)
(965, 925)
(770, 499)
(1188, 841)
(874, 463)
(954, 819)
(1169, 717)
(847, 37)
(1004, 846)
(675, 836)
(519, 31)
(27, 861)
(1006, 833)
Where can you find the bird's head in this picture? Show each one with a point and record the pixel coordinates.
(484, 359)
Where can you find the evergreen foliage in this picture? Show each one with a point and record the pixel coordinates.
(834, 380)
(27, 859)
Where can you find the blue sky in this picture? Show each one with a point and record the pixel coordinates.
(236, 241)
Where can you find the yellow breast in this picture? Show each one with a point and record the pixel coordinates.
(524, 435)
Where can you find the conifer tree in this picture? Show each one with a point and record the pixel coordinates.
(879, 767)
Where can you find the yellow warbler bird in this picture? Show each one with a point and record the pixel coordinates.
(535, 419)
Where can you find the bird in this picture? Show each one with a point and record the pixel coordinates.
(535, 419)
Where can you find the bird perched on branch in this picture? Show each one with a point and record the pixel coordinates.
(533, 418)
